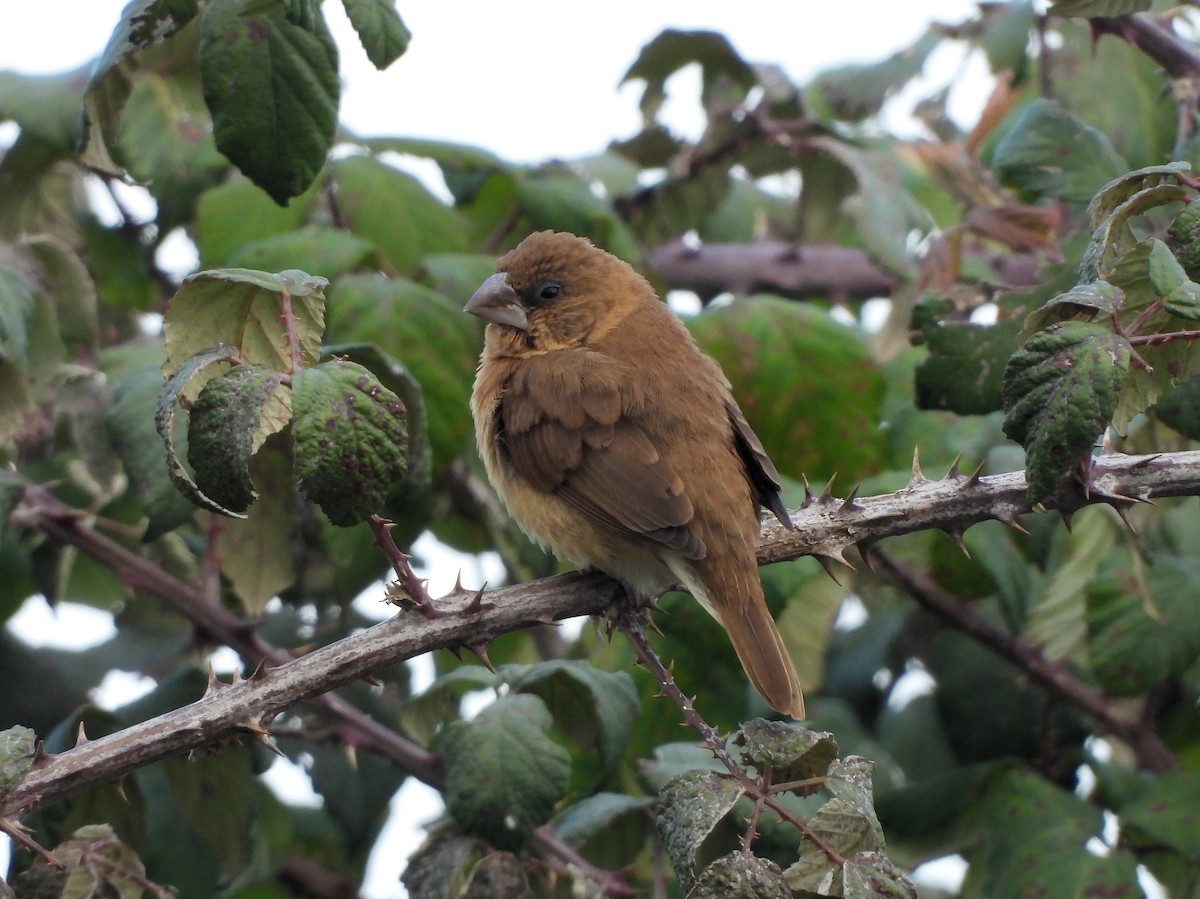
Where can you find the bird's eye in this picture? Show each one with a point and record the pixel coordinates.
(549, 292)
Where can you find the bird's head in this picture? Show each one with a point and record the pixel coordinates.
(556, 290)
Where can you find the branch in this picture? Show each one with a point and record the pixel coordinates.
(796, 272)
(825, 527)
(1156, 39)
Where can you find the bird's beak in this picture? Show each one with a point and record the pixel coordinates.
(496, 302)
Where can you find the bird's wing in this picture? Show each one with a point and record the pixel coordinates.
(565, 427)
(763, 477)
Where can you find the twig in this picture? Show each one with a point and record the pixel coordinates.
(758, 790)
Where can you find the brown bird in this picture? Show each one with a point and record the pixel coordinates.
(617, 444)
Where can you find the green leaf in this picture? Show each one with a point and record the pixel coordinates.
(856, 92)
(233, 415)
(351, 440)
(742, 875)
(429, 335)
(1166, 274)
(671, 50)
(964, 370)
(1125, 186)
(396, 212)
(883, 211)
(143, 23)
(242, 309)
(1165, 814)
(675, 205)
(270, 79)
(216, 795)
(424, 713)
(132, 431)
(1125, 615)
(610, 829)
(164, 420)
(872, 875)
(1083, 301)
(1005, 38)
(441, 867)
(1179, 409)
(1060, 392)
(326, 252)
(688, 809)
(1097, 8)
(592, 708)
(837, 392)
(1033, 838)
(380, 29)
(71, 290)
(1050, 153)
(17, 747)
(504, 775)
(239, 213)
(791, 752)
(561, 202)
(45, 107)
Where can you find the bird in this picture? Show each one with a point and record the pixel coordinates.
(616, 443)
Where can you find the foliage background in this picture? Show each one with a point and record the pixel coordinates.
(950, 763)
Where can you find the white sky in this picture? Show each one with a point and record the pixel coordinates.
(530, 80)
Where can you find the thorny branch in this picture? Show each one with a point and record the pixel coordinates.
(826, 527)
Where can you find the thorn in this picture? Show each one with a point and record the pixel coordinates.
(1145, 461)
(214, 682)
(918, 476)
(827, 493)
(1067, 518)
(477, 604)
(260, 671)
(827, 564)
(1013, 523)
(957, 537)
(1123, 512)
(850, 503)
(480, 650)
(973, 480)
(808, 494)
(81, 737)
(119, 786)
(265, 740)
(372, 680)
(352, 757)
(864, 550)
(953, 473)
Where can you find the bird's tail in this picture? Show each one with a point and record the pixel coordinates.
(737, 603)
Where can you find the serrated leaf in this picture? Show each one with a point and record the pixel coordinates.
(234, 414)
(428, 334)
(688, 808)
(1126, 614)
(504, 775)
(1179, 409)
(380, 29)
(842, 827)
(351, 440)
(1050, 153)
(17, 747)
(143, 23)
(238, 213)
(742, 875)
(424, 713)
(593, 708)
(1060, 392)
(1083, 301)
(242, 308)
(97, 863)
(270, 79)
(791, 751)
(71, 289)
(215, 794)
(164, 420)
(1124, 186)
(1165, 813)
(1113, 238)
(872, 875)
